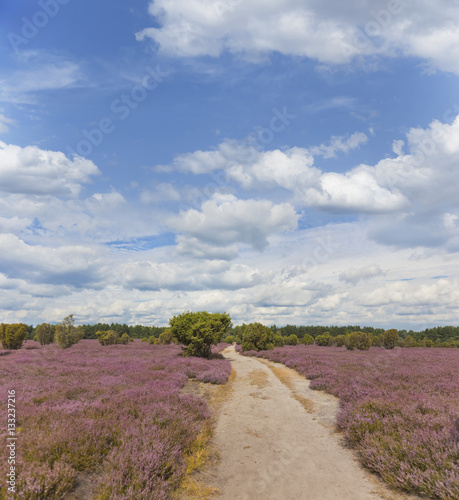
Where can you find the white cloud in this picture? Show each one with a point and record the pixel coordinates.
(225, 220)
(38, 71)
(329, 32)
(105, 201)
(72, 265)
(442, 292)
(339, 144)
(34, 171)
(4, 124)
(417, 180)
(355, 191)
(162, 193)
(204, 275)
(353, 275)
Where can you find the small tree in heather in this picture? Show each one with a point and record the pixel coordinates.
(308, 339)
(258, 337)
(340, 340)
(279, 341)
(45, 333)
(12, 336)
(291, 340)
(390, 338)
(323, 340)
(67, 333)
(359, 340)
(198, 331)
(166, 338)
(110, 337)
(124, 339)
(427, 342)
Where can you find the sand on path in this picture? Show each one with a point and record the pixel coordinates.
(276, 440)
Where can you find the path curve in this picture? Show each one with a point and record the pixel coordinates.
(276, 441)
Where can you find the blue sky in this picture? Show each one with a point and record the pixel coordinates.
(285, 161)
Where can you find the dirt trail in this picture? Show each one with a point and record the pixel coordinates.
(276, 441)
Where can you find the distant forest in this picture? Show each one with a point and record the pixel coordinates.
(444, 333)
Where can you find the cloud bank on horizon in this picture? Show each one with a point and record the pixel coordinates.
(284, 161)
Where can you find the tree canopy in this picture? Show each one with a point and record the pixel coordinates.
(198, 331)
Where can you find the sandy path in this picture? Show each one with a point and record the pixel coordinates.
(276, 441)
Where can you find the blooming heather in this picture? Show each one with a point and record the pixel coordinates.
(399, 409)
(114, 412)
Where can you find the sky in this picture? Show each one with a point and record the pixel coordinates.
(285, 161)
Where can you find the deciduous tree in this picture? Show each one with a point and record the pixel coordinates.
(198, 331)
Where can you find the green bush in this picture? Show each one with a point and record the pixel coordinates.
(198, 331)
(340, 340)
(35, 338)
(145, 339)
(359, 340)
(377, 341)
(257, 337)
(166, 337)
(152, 340)
(390, 338)
(323, 340)
(410, 342)
(230, 339)
(109, 337)
(12, 336)
(45, 333)
(67, 334)
(279, 341)
(308, 339)
(291, 340)
(427, 342)
(124, 339)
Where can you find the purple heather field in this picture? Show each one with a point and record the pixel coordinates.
(399, 408)
(115, 413)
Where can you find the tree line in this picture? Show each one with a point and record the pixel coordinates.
(198, 331)
(441, 333)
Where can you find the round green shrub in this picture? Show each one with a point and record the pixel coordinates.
(257, 337)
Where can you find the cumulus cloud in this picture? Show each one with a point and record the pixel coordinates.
(226, 220)
(328, 31)
(355, 191)
(147, 275)
(422, 175)
(72, 265)
(441, 293)
(353, 275)
(340, 144)
(34, 171)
